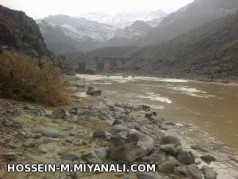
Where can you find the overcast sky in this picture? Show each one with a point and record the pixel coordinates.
(42, 8)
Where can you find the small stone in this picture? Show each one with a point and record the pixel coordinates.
(35, 130)
(80, 143)
(164, 127)
(118, 128)
(91, 158)
(199, 147)
(37, 136)
(74, 133)
(208, 158)
(59, 113)
(99, 133)
(71, 157)
(50, 133)
(42, 150)
(119, 174)
(9, 155)
(116, 122)
(29, 144)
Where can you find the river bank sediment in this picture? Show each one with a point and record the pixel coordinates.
(93, 130)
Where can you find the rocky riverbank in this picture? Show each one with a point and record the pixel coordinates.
(93, 131)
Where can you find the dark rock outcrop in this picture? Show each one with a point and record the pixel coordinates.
(21, 33)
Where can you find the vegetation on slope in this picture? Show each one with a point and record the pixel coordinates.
(37, 80)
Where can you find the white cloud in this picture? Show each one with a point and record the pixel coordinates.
(42, 8)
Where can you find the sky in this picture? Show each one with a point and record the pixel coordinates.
(42, 8)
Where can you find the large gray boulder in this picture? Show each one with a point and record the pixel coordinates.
(92, 91)
(185, 157)
(129, 152)
(167, 166)
(170, 140)
(190, 171)
(208, 172)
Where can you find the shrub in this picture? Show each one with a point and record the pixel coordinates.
(37, 80)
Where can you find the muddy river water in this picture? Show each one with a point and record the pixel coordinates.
(210, 109)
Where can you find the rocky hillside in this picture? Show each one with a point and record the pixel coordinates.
(189, 17)
(206, 52)
(20, 33)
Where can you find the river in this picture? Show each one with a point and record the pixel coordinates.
(210, 109)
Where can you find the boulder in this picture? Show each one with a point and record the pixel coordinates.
(208, 172)
(116, 122)
(157, 120)
(190, 171)
(141, 121)
(102, 153)
(134, 132)
(208, 158)
(167, 166)
(70, 157)
(155, 158)
(99, 133)
(168, 148)
(150, 114)
(74, 111)
(118, 128)
(170, 140)
(129, 152)
(91, 158)
(9, 155)
(59, 113)
(185, 157)
(53, 133)
(104, 115)
(199, 148)
(42, 150)
(145, 107)
(92, 91)
(29, 144)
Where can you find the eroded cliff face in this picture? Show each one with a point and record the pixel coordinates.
(20, 33)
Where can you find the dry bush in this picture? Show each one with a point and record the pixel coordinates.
(31, 79)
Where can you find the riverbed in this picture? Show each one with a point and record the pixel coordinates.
(210, 110)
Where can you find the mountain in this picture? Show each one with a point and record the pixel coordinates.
(187, 18)
(20, 33)
(65, 34)
(123, 20)
(130, 34)
(208, 52)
